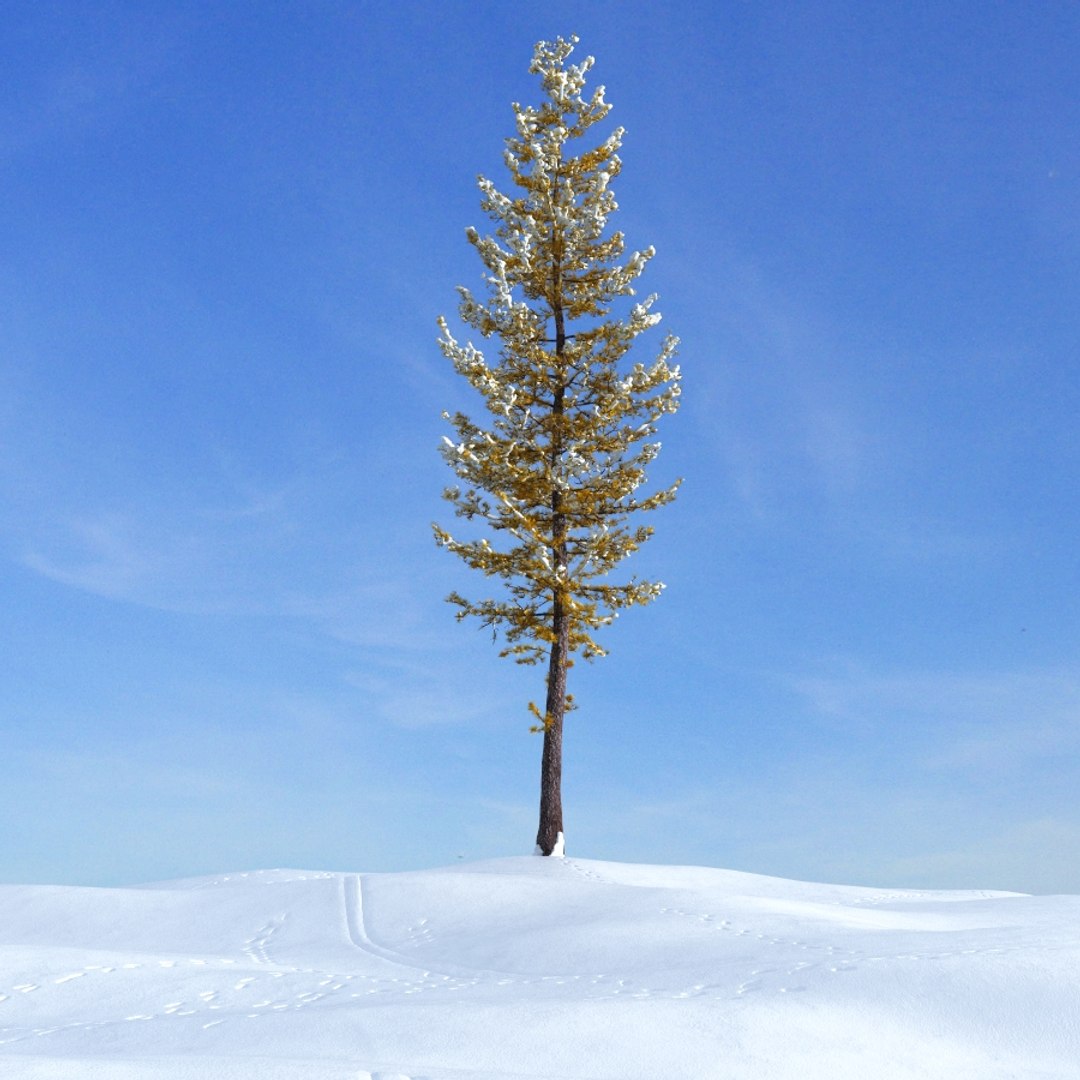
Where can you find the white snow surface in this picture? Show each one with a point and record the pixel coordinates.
(557, 852)
(535, 969)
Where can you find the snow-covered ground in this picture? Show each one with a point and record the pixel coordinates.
(535, 969)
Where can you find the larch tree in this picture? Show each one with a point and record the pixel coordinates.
(555, 472)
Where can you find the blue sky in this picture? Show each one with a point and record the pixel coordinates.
(226, 232)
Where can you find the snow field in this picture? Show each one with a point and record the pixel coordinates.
(535, 969)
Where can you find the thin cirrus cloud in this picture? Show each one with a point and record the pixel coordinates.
(814, 426)
(1023, 857)
(140, 560)
(994, 721)
(249, 563)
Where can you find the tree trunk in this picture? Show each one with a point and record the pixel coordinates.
(548, 835)
(551, 820)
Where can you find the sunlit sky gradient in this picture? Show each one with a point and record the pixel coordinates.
(225, 234)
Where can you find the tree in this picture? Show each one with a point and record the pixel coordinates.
(556, 470)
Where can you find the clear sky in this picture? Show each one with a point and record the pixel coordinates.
(226, 232)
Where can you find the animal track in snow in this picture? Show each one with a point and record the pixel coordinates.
(255, 948)
(705, 918)
(365, 1075)
(420, 934)
(582, 871)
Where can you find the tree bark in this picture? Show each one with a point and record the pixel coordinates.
(551, 818)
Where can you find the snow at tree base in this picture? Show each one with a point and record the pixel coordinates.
(535, 969)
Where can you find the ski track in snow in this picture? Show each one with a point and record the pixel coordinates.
(234, 994)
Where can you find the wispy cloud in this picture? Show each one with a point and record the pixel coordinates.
(958, 721)
(115, 556)
(447, 687)
(227, 546)
(1027, 857)
(88, 90)
(790, 412)
(136, 774)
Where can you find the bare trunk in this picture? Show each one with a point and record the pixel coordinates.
(551, 818)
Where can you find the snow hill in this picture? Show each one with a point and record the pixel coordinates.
(535, 969)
